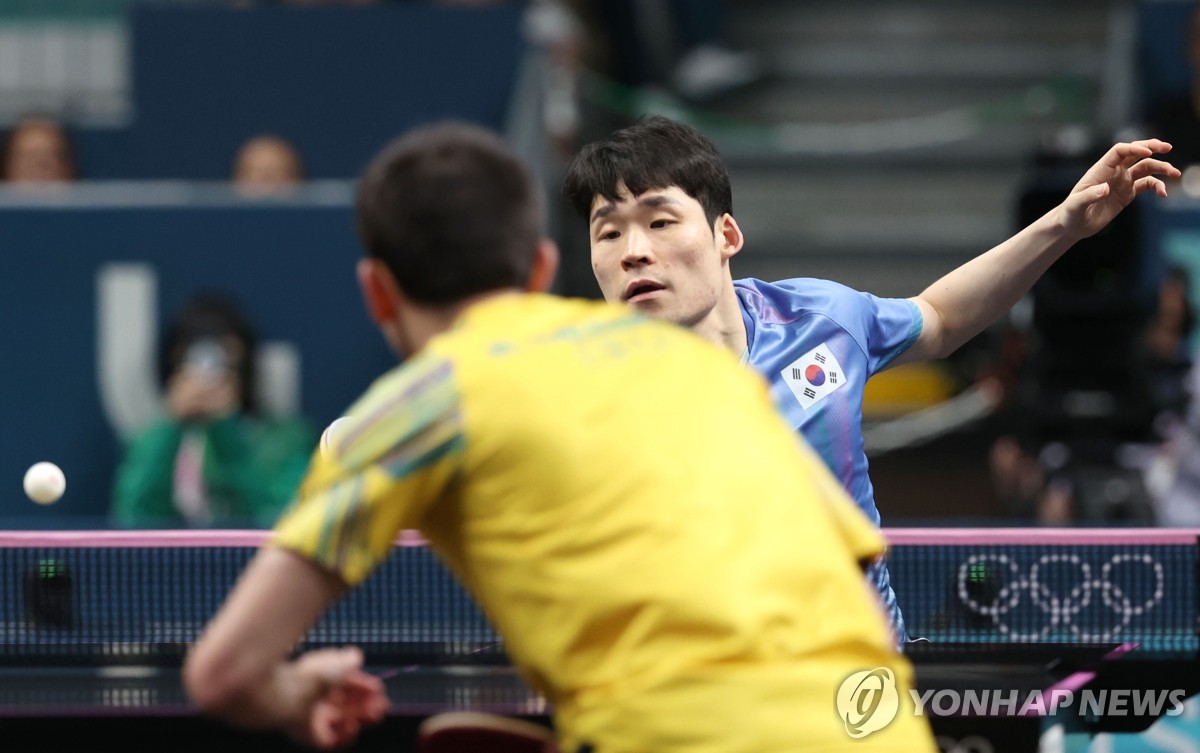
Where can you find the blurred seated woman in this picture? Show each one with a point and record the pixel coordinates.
(211, 458)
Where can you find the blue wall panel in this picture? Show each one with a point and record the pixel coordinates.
(338, 82)
(291, 267)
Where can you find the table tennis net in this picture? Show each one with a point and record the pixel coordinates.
(1049, 586)
(144, 597)
(115, 597)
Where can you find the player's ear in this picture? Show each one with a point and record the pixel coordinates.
(380, 292)
(385, 303)
(729, 235)
(545, 266)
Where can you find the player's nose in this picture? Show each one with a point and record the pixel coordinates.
(637, 250)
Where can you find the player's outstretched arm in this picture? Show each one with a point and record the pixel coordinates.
(960, 305)
(239, 669)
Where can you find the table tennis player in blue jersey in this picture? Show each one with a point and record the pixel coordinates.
(658, 203)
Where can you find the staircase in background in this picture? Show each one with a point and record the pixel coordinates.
(890, 143)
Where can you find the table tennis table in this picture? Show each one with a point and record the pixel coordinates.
(109, 670)
(137, 708)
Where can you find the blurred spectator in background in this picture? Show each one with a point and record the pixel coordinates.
(1176, 476)
(1018, 481)
(211, 458)
(38, 150)
(1168, 342)
(1039, 480)
(267, 164)
(1173, 474)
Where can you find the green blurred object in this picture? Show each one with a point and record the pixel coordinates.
(977, 573)
(50, 568)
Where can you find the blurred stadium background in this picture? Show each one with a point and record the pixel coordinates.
(877, 143)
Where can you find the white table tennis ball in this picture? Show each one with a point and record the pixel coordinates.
(45, 483)
(331, 435)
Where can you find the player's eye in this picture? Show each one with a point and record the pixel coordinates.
(610, 235)
(659, 224)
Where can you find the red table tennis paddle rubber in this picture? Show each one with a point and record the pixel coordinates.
(474, 732)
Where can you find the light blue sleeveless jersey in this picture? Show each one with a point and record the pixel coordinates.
(818, 342)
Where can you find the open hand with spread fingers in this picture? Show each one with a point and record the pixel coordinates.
(1124, 172)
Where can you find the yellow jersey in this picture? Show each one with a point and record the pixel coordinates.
(664, 558)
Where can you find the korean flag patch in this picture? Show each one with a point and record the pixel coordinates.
(814, 375)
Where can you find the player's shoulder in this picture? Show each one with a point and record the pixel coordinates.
(526, 317)
(799, 295)
(420, 377)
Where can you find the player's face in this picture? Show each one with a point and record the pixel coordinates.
(658, 253)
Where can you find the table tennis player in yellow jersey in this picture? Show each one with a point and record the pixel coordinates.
(663, 560)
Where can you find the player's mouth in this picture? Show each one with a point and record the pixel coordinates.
(641, 290)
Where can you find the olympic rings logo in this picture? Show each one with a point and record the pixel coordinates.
(1061, 609)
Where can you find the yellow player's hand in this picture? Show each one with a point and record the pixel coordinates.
(338, 698)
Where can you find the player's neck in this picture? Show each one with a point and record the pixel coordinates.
(724, 325)
(420, 324)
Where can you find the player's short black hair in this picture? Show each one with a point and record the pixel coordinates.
(653, 153)
(211, 315)
(452, 212)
